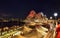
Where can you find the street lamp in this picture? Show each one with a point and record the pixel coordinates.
(51, 17)
(55, 15)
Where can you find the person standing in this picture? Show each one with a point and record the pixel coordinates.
(58, 30)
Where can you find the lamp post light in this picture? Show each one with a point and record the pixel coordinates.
(55, 15)
(51, 17)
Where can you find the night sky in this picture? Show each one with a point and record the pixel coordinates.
(16, 8)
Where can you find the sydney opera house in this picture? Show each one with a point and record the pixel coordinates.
(35, 25)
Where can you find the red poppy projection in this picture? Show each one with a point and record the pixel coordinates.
(32, 14)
